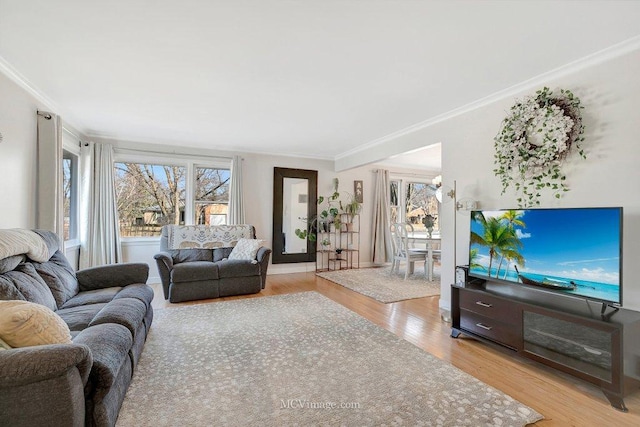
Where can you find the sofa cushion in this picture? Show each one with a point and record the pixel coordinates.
(9, 263)
(51, 240)
(92, 297)
(187, 255)
(30, 285)
(8, 290)
(138, 291)
(128, 312)
(245, 249)
(59, 276)
(78, 318)
(110, 344)
(221, 253)
(194, 271)
(238, 268)
(24, 324)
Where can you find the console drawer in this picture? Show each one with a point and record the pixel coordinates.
(503, 333)
(489, 306)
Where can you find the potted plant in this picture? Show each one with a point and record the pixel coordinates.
(325, 243)
(310, 232)
(351, 209)
(337, 223)
(322, 221)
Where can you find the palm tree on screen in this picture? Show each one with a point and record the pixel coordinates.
(512, 218)
(498, 237)
(473, 260)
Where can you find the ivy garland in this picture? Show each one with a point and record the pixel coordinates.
(533, 141)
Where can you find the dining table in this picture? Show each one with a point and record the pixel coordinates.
(422, 242)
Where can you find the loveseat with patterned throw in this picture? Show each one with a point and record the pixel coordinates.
(211, 261)
(69, 341)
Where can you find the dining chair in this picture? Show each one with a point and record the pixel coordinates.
(402, 252)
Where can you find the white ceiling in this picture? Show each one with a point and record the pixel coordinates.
(311, 78)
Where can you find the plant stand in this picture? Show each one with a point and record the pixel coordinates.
(327, 258)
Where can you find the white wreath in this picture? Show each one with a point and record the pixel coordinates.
(534, 139)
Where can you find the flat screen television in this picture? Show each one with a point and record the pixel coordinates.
(573, 251)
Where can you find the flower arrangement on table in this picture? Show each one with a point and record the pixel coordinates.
(429, 222)
(533, 141)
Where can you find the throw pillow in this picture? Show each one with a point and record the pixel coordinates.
(24, 324)
(245, 249)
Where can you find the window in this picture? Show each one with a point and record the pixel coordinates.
(70, 195)
(149, 196)
(420, 203)
(212, 195)
(412, 202)
(395, 202)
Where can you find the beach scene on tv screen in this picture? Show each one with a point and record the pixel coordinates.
(574, 251)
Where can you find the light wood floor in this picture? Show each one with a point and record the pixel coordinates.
(564, 401)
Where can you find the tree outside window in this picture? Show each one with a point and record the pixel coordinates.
(421, 206)
(394, 215)
(212, 195)
(69, 195)
(149, 196)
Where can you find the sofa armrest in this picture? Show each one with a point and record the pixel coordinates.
(164, 261)
(262, 257)
(41, 382)
(26, 365)
(107, 276)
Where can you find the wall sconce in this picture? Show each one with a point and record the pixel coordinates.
(466, 205)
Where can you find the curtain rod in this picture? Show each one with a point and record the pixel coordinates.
(428, 175)
(168, 153)
(45, 114)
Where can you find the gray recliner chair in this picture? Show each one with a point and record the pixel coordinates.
(193, 262)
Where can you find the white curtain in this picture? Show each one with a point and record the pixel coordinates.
(99, 228)
(49, 213)
(236, 195)
(382, 250)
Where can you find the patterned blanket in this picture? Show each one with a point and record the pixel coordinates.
(207, 236)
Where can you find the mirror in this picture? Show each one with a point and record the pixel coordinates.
(295, 192)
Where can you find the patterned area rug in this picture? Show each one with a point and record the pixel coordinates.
(299, 359)
(381, 285)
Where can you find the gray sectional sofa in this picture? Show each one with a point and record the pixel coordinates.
(108, 310)
(194, 262)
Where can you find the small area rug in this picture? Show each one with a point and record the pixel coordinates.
(381, 285)
(299, 359)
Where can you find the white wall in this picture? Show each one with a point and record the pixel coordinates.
(18, 158)
(610, 93)
(17, 155)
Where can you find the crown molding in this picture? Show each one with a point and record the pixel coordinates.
(19, 79)
(588, 61)
(169, 146)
